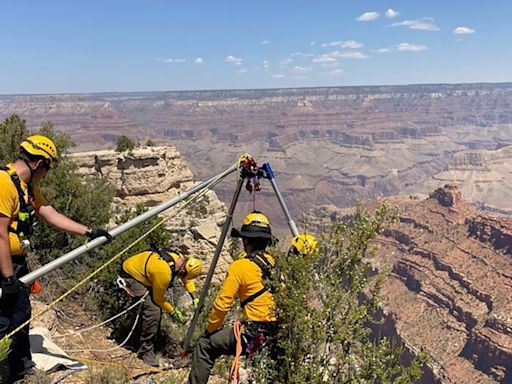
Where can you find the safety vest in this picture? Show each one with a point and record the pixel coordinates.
(26, 214)
(258, 258)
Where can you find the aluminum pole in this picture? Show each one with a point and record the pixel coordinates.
(54, 264)
(270, 175)
(209, 276)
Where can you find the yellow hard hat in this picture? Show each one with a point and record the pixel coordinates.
(304, 244)
(255, 224)
(39, 145)
(194, 267)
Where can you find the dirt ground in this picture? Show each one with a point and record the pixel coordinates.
(95, 349)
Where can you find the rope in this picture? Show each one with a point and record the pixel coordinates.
(234, 374)
(124, 341)
(106, 321)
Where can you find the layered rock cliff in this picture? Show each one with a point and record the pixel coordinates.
(152, 175)
(338, 144)
(449, 289)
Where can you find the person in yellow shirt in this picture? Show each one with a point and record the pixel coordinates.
(246, 279)
(155, 270)
(20, 203)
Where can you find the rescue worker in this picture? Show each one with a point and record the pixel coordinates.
(303, 244)
(155, 271)
(246, 280)
(20, 202)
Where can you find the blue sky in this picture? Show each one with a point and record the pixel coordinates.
(98, 46)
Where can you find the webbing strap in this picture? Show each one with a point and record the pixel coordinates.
(265, 267)
(24, 206)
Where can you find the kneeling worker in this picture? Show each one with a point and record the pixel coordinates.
(156, 271)
(246, 280)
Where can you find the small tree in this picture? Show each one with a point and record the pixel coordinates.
(150, 143)
(12, 132)
(124, 143)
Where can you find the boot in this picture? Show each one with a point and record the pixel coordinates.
(150, 358)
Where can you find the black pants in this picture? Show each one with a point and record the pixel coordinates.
(15, 309)
(223, 342)
(151, 316)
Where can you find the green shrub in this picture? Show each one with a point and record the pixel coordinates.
(124, 143)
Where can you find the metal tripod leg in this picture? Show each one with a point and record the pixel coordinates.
(270, 175)
(209, 276)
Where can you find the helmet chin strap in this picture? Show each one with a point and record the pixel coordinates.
(30, 170)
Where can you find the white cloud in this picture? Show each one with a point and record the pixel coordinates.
(199, 60)
(286, 61)
(337, 72)
(243, 70)
(172, 61)
(343, 44)
(266, 64)
(334, 64)
(424, 25)
(382, 50)
(300, 70)
(349, 54)
(324, 59)
(234, 60)
(265, 42)
(368, 16)
(312, 43)
(390, 13)
(278, 76)
(301, 77)
(411, 47)
(463, 31)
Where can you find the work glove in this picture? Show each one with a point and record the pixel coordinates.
(11, 285)
(98, 232)
(178, 316)
(195, 302)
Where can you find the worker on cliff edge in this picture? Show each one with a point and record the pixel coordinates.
(20, 203)
(154, 271)
(246, 279)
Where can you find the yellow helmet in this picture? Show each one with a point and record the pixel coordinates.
(304, 244)
(39, 145)
(194, 267)
(255, 224)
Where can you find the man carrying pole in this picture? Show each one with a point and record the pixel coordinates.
(20, 202)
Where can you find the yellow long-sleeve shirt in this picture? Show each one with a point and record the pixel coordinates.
(10, 205)
(154, 272)
(244, 278)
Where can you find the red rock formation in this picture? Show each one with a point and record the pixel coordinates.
(449, 289)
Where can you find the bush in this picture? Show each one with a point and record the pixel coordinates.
(124, 143)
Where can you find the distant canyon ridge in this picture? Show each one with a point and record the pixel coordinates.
(328, 146)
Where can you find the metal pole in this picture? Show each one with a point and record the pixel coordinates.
(54, 264)
(209, 276)
(270, 176)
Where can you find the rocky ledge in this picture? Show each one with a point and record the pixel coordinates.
(152, 175)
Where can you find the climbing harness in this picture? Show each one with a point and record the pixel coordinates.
(26, 213)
